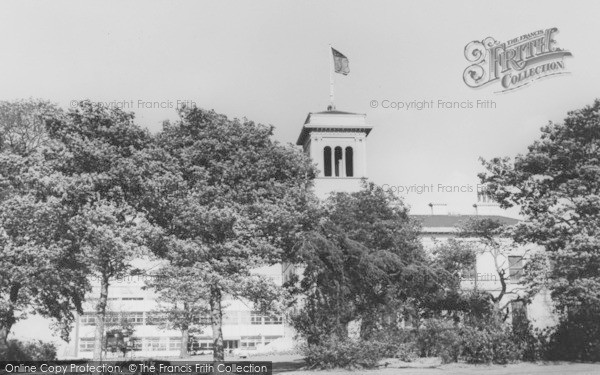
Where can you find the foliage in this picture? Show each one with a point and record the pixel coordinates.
(240, 202)
(346, 353)
(182, 300)
(40, 273)
(397, 343)
(23, 125)
(94, 152)
(453, 260)
(362, 262)
(494, 238)
(557, 186)
(489, 345)
(36, 350)
(575, 338)
(438, 338)
(488, 341)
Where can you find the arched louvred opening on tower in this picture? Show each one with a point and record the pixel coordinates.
(349, 162)
(338, 161)
(327, 161)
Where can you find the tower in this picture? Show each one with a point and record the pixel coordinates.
(337, 143)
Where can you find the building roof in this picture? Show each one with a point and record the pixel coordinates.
(334, 120)
(449, 223)
(334, 112)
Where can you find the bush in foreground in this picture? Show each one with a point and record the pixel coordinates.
(36, 350)
(436, 338)
(346, 353)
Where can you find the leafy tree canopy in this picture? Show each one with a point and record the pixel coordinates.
(556, 184)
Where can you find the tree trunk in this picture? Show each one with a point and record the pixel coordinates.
(4, 330)
(185, 331)
(8, 320)
(100, 317)
(217, 324)
(185, 339)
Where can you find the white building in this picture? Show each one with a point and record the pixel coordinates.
(243, 328)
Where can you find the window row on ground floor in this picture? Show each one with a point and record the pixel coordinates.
(157, 344)
(137, 318)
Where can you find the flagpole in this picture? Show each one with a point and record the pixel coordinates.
(331, 77)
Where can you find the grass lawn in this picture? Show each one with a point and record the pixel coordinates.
(292, 365)
(460, 369)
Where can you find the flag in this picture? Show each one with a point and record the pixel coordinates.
(340, 62)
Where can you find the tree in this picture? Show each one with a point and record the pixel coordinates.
(39, 274)
(557, 186)
(96, 154)
(363, 262)
(244, 205)
(23, 124)
(493, 238)
(182, 300)
(454, 261)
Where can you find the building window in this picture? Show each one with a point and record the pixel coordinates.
(86, 345)
(273, 319)
(203, 320)
(112, 319)
(515, 267)
(155, 344)
(338, 161)
(250, 342)
(88, 319)
(255, 318)
(134, 318)
(175, 343)
(349, 162)
(156, 318)
(230, 344)
(206, 345)
(327, 161)
(200, 344)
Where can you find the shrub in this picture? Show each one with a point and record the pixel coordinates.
(439, 338)
(36, 350)
(344, 353)
(575, 338)
(476, 343)
(397, 344)
(490, 345)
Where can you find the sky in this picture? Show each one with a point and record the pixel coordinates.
(268, 61)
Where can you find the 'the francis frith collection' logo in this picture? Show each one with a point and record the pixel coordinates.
(514, 63)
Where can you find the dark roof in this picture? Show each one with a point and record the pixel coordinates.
(307, 128)
(448, 221)
(336, 112)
